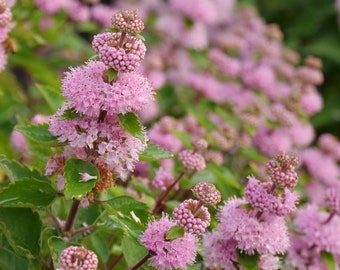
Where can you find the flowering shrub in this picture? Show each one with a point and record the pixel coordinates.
(189, 148)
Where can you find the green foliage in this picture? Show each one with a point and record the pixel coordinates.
(329, 260)
(133, 251)
(37, 133)
(249, 262)
(75, 186)
(27, 192)
(130, 122)
(22, 228)
(175, 232)
(154, 152)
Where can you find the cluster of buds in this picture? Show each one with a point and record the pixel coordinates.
(5, 14)
(192, 160)
(333, 200)
(78, 258)
(121, 51)
(281, 170)
(192, 214)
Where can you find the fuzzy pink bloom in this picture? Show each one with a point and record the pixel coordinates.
(77, 11)
(49, 7)
(310, 75)
(119, 149)
(266, 236)
(333, 200)
(330, 145)
(218, 252)
(311, 102)
(196, 37)
(225, 64)
(3, 58)
(149, 112)
(5, 17)
(257, 194)
(175, 253)
(301, 134)
(86, 90)
(61, 182)
(272, 141)
(79, 258)
(310, 222)
(269, 262)
(18, 141)
(102, 14)
(321, 166)
(203, 10)
(163, 179)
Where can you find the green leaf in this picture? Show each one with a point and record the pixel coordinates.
(184, 137)
(130, 122)
(328, 259)
(75, 187)
(111, 74)
(175, 232)
(154, 152)
(9, 260)
(17, 171)
(102, 251)
(126, 204)
(71, 114)
(22, 228)
(139, 36)
(52, 95)
(248, 261)
(225, 175)
(27, 193)
(133, 251)
(37, 133)
(56, 246)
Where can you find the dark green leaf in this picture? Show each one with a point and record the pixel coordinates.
(71, 114)
(126, 204)
(130, 122)
(17, 171)
(75, 186)
(329, 260)
(56, 246)
(248, 261)
(133, 251)
(37, 133)
(154, 152)
(9, 260)
(175, 232)
(28, 192)
(22, 228)
(111, 74)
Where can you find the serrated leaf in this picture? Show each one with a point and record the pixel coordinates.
(130, 122)
(328, 259)
(126, 204)
(37, 133)
(133, 251)
(52, 96)
(22, 228)
(56, 246)
(9, 260)
(175, 232)
(71, 114)
(248, 261)
(27, 193)
(17, 171)
(154, 152)
(111, 74)
(75, 187)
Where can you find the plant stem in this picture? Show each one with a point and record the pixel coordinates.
(142, 261)
(72, 216)
(114, 262)
(166, 192)
(331, 215)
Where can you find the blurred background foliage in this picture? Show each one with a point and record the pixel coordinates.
(312, 28)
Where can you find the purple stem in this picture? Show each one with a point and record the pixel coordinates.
(72, 216)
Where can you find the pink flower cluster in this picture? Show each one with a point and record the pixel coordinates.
(88, 121)
(5, 27)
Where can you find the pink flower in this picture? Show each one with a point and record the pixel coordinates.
(218, 252)
(163, 179)
(79, 258)
(175, 253)
(311, 102)
(86, 90)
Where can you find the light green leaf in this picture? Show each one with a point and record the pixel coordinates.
(56, 246)
(133, 251)
(52, 95)
(22, 228)
(37, 133)
(75, 187)
(175, 232)
(28, 192)
(328, 259)
(154, 152)
(130, 122)
(111, 74)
